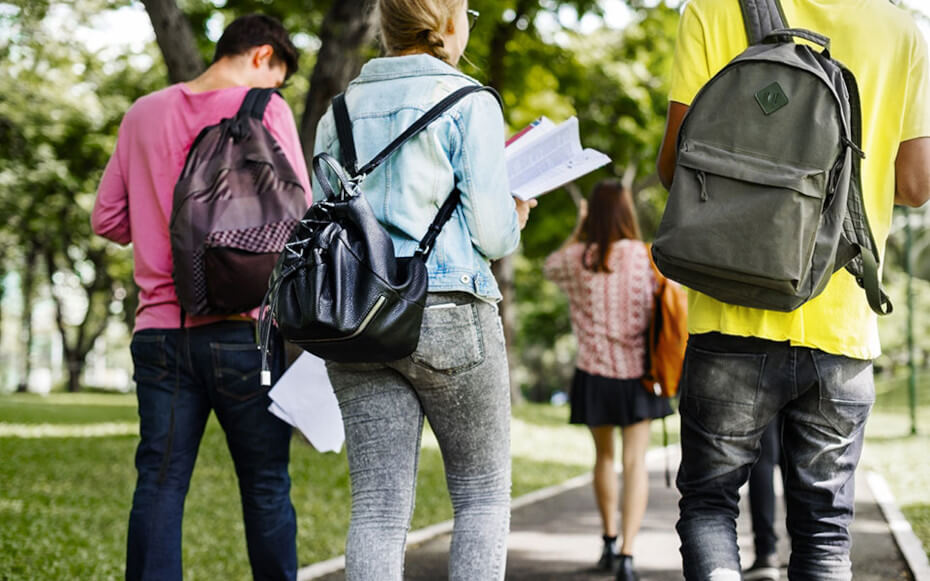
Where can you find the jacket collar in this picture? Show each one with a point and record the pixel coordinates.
(415, 65)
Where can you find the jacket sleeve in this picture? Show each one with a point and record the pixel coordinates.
(110, 216)
(481, 176)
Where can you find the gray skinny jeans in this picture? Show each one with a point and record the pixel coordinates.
(458, 379)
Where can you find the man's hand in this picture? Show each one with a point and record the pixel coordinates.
(523, 210)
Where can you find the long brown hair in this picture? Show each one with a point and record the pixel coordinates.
(611, 217)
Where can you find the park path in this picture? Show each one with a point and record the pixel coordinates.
(558, 538)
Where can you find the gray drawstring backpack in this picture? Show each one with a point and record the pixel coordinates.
(235, 205)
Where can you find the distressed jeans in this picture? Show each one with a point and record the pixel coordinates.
(457, 379)
(180, 377)
(732, 388)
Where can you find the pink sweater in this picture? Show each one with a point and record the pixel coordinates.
(135, 195)
(610, 311)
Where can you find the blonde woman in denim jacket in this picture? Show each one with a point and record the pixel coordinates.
(458, 376)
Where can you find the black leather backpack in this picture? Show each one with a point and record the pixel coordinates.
(338, 291)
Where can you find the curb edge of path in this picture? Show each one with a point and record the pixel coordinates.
(910, 546)
(421, 536)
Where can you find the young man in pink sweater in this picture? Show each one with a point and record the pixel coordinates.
(181, 375)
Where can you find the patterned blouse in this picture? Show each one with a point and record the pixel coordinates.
(610, 310)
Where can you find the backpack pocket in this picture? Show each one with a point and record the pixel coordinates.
(238, 263)
(741, 217)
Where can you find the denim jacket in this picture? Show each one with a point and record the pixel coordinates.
(464, 148)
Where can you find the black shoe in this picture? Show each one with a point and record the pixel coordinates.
(610, 556)
(625, 569)
(765, 568)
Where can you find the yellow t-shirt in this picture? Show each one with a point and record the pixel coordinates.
(885, 50)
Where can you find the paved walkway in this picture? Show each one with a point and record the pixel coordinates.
(558, 538)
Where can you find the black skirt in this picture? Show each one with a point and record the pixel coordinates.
(605, 401)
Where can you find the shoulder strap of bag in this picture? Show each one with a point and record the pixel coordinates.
(255, 102)
(347, 143)
(253, 105)
(856, 228)
(761, 17)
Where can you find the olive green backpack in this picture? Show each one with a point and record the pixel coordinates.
(766, 202)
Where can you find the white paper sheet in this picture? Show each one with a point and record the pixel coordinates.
(304, 398)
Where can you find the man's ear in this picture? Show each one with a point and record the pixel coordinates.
(261, 55)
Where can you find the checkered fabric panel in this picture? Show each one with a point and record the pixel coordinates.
(198, 277)
(263, 238)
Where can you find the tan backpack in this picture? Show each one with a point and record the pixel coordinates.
(666, 337)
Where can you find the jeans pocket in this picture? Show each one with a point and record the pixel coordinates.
(720, 390)
(451, 340)
(149, 358)
(847, 391)
(236, 369)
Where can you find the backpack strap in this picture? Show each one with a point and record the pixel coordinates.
(253, 106)
(347, 143)
(858, 250)
(761, 17)
(344, 132)
(255, 102)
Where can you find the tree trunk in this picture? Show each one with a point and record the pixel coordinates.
(347, 29)
(28, 290)
(89, 330)
(175, 39)
(75, 369)
(503, 269)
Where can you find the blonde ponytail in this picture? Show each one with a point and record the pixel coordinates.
(415, 26)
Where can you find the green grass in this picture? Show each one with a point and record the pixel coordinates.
(897, 455)
(64, 501)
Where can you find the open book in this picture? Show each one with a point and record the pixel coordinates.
(545, 156)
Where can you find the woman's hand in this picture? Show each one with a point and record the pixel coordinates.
(523, 210)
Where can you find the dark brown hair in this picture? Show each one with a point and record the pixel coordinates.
(611, 217)
(254, 30)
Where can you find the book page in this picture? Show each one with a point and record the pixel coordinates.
(539, 153)
(568, 170)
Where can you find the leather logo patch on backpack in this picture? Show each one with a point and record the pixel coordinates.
(771, 98)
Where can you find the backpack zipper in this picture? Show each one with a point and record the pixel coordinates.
(702, 178)
(361, 328)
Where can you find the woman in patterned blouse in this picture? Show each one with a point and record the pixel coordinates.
(604, 269)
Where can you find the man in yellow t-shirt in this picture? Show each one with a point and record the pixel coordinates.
(813, 365)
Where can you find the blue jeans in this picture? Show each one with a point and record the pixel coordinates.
(457, 379)
(732, 388)
(180, 376)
